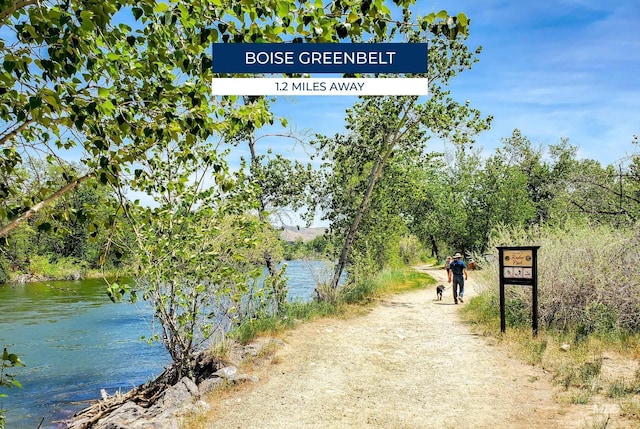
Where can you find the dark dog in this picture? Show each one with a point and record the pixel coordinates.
(439, 291)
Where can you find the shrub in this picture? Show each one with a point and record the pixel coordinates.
(518, 311)
(588, 280)
(483, 309)
(598, 318)
(61, 269)
(617, 389)
(589, 371)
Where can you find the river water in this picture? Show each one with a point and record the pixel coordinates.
(75, 342)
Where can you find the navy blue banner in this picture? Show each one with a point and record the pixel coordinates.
(320, 58)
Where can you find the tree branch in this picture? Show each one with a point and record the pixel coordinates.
(11, 134)
(36, 208)
(13, 8)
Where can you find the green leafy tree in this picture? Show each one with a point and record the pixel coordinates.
(382, 127)
(281, 185)
(74, 229)
(426, 221)
(112, 79)
(518, 186)
(518, 151)
(498, 196)
(195, 247)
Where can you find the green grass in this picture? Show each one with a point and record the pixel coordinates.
(385, 283)
(482, 311)
(294, 313)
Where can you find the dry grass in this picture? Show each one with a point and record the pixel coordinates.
(588, 280)
(589, 313)
(631, 408)
(259, 353)
(592, 371)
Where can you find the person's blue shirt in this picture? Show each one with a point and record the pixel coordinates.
(458, 266)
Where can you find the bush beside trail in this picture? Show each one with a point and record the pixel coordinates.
(588, 279)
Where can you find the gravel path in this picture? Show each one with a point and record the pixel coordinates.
(408, 363)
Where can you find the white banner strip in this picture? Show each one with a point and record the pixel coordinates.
(320, 86)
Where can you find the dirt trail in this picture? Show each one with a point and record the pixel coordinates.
(408, 363)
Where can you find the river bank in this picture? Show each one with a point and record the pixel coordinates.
(55, 323)
(61, 275)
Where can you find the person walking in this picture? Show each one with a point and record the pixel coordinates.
(457, 275)
(447, 265)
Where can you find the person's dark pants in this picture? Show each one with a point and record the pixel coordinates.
(458, 281)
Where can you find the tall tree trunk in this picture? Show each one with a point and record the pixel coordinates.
(434, 246)
(268, 257)
(392, 138)
(353, 229)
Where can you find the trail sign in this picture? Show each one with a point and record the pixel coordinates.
(519, 266)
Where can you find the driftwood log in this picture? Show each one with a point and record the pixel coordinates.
(204, 366)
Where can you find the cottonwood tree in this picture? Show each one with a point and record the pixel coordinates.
(544, 173)
(428, 210)
(379, 127)
(281, 185)
(518, 186)
(104, 82)
(607, 194)
(194, 248)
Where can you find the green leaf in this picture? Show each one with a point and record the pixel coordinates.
(9, 65)
(103, 92)
(87, 25)
(137, 12)
(108, 107)
(44, 227)
(14, 359)
(462, 19)
(86, 15)
(35, 102)
(161, 7)
(283, 8)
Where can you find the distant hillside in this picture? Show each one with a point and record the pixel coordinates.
(293, 233)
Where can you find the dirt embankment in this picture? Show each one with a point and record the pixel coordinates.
(409, 363)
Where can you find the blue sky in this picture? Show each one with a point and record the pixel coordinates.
(553, 69)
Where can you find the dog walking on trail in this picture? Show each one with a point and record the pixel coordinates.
(457, 275)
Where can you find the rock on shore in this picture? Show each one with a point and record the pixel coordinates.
(171, 405)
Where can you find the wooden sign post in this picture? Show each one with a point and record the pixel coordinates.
(519, 266)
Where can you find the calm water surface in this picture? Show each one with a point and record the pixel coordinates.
(75, 341)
